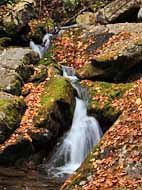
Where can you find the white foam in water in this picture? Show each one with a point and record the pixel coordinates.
(39, 48)
(83, 135)
(69, 72)
(46, 40)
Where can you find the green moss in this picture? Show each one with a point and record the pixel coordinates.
(48, 57)
(15, 87)
(55, 90)
(50, 24)
(70, 5)
(113, 90)
(4, 102)
(57, 96)
(109, 92)
(11, 110)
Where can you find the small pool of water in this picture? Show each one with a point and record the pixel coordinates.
(24, 179)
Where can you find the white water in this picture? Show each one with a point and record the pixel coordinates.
(83, 135)
(37, 48)
(85, 131)
(41, 49)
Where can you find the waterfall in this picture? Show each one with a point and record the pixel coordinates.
(41, 49)
(84, 132)
(83, 135)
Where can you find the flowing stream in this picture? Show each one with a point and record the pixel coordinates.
(70, 153)
(84, 133)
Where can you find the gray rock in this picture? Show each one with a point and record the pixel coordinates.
(18, 16)
(13, 70)
(118, 11)
(116, 50)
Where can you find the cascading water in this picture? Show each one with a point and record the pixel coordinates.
(41, 49)
(85, 131)
(83, 135)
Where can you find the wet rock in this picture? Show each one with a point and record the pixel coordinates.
(16, 153)
(11, 172)
(53, 117)
(11, 111)
(13, 70)
(118, 11)
(13, 178)
(57, 105)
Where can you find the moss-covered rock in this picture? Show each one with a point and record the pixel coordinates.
(119, 59)
(57, 105)
(31, 58)
(11, 111)
(48, 57)
(102, 96)
(115, 163)
(71, 5)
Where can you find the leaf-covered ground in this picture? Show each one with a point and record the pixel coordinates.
(26, 125)
(116, 163)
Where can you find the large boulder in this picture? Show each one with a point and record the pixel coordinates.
(118, 11)
(11, 111)
(108, 52)
(14, 70)
(49, 114)
(57, 105)
(119, 55)
(115, 163)
(17, 16)
(102, 97)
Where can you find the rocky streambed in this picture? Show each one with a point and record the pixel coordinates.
(37, 103)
